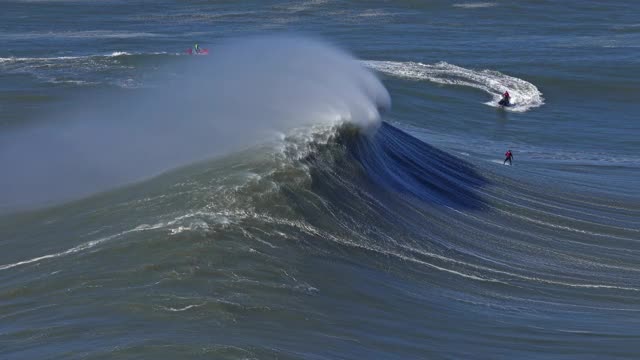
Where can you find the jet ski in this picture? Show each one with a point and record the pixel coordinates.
(199, 52)
(504, 102)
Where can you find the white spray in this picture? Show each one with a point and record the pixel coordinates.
(243, 93)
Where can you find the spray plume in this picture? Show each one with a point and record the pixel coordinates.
(244, 93)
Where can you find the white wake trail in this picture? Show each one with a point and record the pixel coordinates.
(524, 95)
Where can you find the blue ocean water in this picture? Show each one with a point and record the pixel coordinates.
(327, 183)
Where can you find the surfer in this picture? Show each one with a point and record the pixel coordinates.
(506, 99)
(196, 48)
(508, 157)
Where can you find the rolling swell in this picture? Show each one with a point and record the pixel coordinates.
(342, 241)
(425, 193)
(336, 244)
(480, 241)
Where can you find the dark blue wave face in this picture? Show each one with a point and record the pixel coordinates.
(393, 160)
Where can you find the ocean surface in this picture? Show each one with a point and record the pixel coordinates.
(327, 183)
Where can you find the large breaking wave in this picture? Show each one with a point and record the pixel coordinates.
(252, 91)
(331, 218)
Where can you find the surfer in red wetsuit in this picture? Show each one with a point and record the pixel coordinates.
(506, 98)
(508, 157)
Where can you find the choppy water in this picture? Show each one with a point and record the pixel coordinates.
(338, 232)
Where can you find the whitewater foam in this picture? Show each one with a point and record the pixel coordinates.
(524, 95)
(13, 59)
(182, 308)
(39, 59)
(119, 53)
(82, 247)
(297, 6)
(475, 5)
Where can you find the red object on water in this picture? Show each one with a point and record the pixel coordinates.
(200, 52)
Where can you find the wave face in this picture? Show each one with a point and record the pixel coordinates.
(334, 241)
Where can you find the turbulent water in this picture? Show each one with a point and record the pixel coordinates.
(327, 183)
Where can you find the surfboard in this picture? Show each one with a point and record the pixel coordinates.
(501, 162)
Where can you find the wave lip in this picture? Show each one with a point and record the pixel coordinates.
(524, 94)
